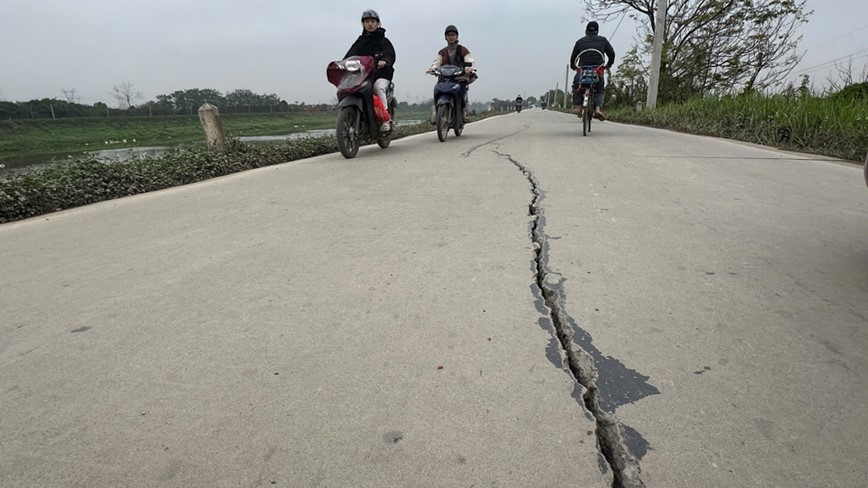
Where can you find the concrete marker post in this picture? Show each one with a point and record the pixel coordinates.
(215, 136)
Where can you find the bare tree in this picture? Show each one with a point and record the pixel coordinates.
(845, 77)
(711, 46)
(125, 95)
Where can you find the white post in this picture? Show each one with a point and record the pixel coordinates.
(209, 115)
(657, 54)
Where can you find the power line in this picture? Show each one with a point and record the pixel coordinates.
(622, 20)
(839, 37)
(828, 64)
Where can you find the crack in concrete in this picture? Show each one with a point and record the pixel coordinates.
(617, 443)
(467, 153)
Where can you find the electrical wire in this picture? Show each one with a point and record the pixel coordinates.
(828, 64)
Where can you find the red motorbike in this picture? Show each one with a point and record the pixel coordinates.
(357, 118)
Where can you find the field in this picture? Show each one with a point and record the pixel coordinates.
(46, 137)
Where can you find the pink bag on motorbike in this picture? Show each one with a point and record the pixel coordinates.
(380, 111)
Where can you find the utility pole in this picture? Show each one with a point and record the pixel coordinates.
(566, 78)
(657, 53)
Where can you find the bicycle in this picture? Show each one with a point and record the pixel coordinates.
(587, 78)
(590, 76)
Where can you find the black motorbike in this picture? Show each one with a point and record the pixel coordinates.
(518, 107)
(357, 119)
(449, 100)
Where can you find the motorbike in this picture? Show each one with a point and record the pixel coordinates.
(357, 118)
(449, 100)
(518, 107)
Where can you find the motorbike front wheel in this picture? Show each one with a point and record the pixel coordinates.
(384, 141)
(348, 131)
(443, 112)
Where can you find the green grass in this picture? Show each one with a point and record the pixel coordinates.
(836, 127)
(77, 135)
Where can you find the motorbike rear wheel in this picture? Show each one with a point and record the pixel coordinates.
(443, 112)
(587, 114)
(348, 131)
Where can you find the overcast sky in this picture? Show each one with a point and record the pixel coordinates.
(283, 47)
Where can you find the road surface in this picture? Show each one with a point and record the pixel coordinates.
(520, 306)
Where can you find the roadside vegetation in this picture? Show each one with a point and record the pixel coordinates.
(835, 125)
(77, 135)
(723, 70)
(81, 182)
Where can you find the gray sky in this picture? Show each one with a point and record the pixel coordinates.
(283, 47)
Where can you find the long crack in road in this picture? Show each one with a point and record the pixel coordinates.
(607, 383)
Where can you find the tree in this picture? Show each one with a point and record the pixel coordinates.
(629, 85)
(714, 46)
(125, 95)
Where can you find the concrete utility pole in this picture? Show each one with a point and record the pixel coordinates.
(657, 54)
(566, 79)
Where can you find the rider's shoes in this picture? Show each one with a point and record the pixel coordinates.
(599, 116)
(577, 109)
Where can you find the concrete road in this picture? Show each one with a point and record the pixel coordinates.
(701, 320)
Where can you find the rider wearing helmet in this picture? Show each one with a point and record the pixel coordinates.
(519, 100)
(599, 44)
(373, 42)
(457, 55)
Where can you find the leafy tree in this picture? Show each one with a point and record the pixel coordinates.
(629, 84)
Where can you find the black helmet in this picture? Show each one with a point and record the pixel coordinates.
(592, 28)
(451, 28)
(370, 14)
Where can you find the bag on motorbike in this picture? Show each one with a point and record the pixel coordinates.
(380, 111)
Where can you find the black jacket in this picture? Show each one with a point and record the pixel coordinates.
(376, 45)
(591, 58)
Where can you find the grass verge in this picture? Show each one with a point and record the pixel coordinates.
(830, 126)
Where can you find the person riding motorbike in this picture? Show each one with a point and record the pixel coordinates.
(519, 101)
(457, 55)
(599, 44)
(374, 43)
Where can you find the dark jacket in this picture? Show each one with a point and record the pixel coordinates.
(592, 58)
(376, 45)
